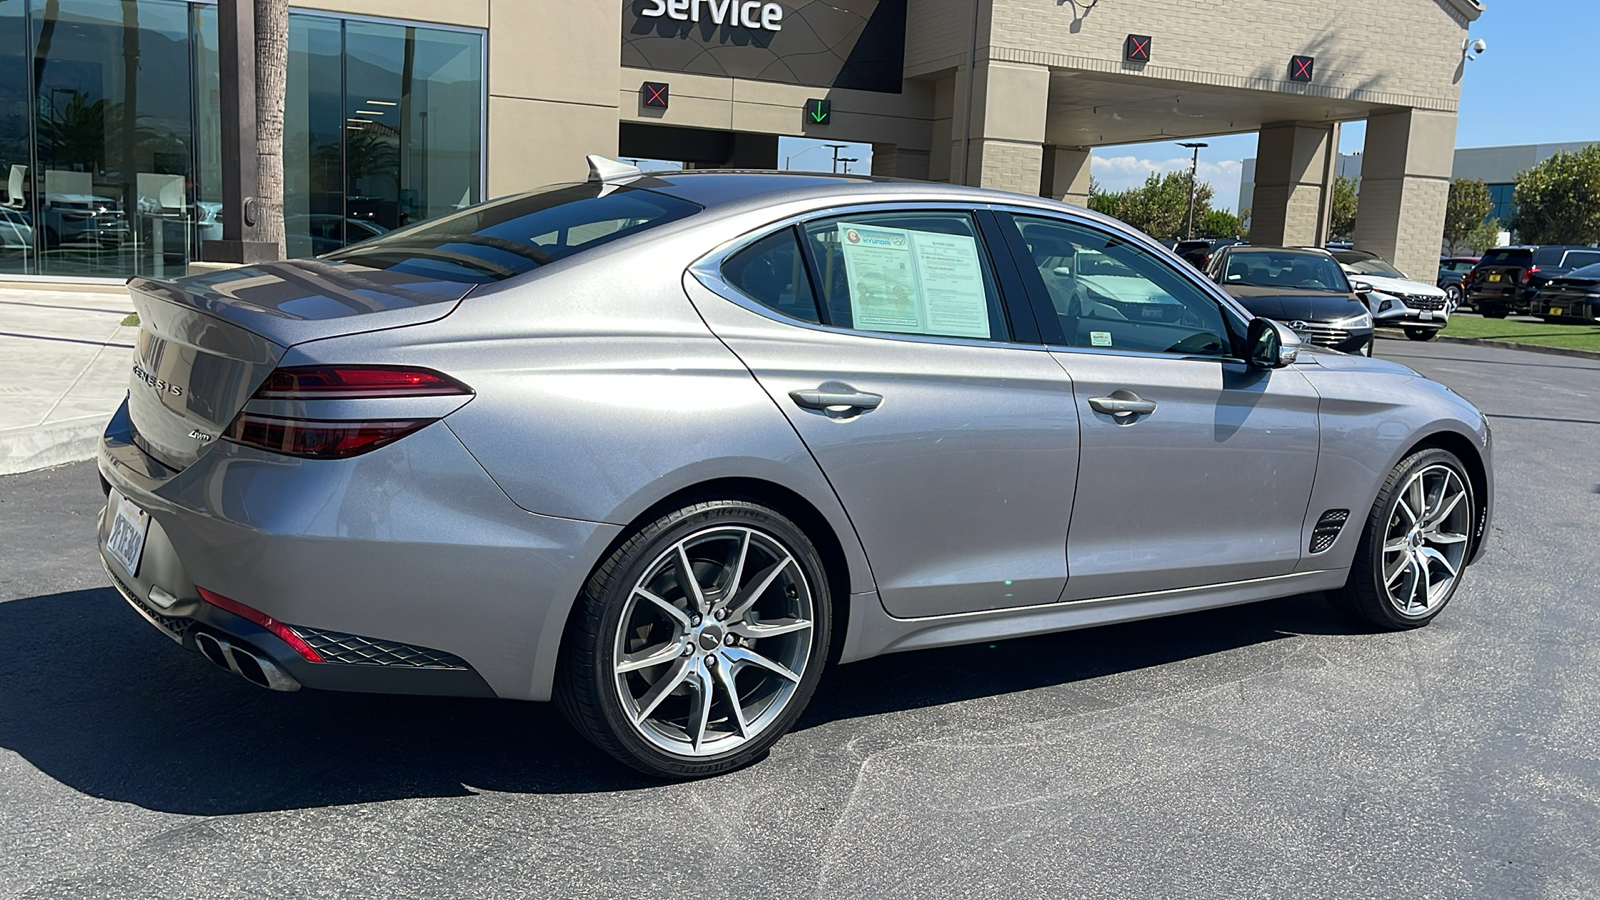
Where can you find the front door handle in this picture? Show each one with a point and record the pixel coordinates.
(1123, 404)
(835, 397)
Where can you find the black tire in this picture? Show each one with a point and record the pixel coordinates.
(1453, 298)
(1364, 597)
(1421, 334)
(1489, 313)
(586, 687)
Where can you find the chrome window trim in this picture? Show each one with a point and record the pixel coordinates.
(708, 269)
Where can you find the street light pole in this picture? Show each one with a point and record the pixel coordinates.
(836, 148)
(847, 160)
(1194, 168)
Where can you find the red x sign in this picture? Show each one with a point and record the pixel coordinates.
(1300, 68)
(654, 94)
(1136, 48)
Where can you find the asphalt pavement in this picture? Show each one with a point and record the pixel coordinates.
(1270, 750)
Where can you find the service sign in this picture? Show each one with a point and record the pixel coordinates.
(857, 44)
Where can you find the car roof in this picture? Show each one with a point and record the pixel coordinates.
(1310, 251)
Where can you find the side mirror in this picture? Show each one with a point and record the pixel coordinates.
(1272, 345)
(1361, 287)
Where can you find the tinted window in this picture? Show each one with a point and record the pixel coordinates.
(504, 238)
(1374, 266)
(1506, 257)
(1110, 293)
(1548, 256)
(907, 273)
(1286, 269)
(1577, 258)
(773, 272)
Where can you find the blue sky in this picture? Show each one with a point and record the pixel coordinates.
(1534, 85)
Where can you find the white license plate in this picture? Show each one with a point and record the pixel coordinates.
(125, 543)
(1427, 315)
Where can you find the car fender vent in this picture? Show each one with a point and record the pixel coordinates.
(1328, 528)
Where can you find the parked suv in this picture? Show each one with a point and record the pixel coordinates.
(1453, 271)
(1506, 279)
(1396, 299)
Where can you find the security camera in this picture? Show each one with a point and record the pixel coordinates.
(1478, 46)
(1470, 49)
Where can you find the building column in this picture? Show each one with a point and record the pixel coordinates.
(1004, 145)
(1405, 184)
(1292, 162)
(894, 161)
(1066, 175)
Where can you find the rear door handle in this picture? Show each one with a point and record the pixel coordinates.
(1123, 404)
(825, 398)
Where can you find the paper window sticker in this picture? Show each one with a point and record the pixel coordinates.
(1100, 338)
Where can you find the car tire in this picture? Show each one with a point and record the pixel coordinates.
(1452, 298)
(1421, 334)
(682, 681)
(1493, 313)
(1407, 565)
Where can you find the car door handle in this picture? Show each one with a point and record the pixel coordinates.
(825, 398)
(1123, 404)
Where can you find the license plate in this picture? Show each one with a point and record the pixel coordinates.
(125, 543)
(1494, 277)
(1555, 311)
(1427, 315)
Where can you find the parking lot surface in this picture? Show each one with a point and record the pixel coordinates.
(1268, 750)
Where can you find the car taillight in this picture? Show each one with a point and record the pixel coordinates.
(283, 632)
(1527, 274)
(338, 438)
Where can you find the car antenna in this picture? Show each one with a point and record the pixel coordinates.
(602, 169)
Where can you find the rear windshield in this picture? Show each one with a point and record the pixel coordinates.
(1580, 258)
(1592, 271)
(505, 238)
(1285, 268)
(1506, 257)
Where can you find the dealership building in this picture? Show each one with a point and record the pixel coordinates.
(404, 110)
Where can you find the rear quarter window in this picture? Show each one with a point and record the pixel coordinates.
(1579, 258)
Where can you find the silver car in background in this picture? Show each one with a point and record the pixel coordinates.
(663, 447)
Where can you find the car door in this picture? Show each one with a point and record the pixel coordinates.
(1194, 468)
(884, 336)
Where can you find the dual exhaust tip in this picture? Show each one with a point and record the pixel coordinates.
(245, 663)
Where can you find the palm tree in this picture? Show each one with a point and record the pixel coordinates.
(272, 76)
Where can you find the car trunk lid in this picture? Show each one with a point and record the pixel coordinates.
(207, 342)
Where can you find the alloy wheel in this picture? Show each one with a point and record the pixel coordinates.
(713, 641)
(1425, 544)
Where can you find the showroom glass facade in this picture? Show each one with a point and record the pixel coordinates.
(110, 138)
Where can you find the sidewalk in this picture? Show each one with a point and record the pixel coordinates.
(67, 356)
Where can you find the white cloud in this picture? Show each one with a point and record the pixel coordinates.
(1116, 173)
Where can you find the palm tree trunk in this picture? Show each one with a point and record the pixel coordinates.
(272, 73)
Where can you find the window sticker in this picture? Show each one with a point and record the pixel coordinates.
(1100, 338)
(914, 282)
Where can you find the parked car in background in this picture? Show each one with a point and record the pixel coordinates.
(1396, 299)
(1573, 297)
(1453, 271)
(1197, 252)
(16, 231)
(1506, 278)
(648, 445)
(1303, 288)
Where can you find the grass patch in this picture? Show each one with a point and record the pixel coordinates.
(1571, 337)
(130, 319)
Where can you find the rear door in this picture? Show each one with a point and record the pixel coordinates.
(1194, 468)
(1499, 275)
(951, 443)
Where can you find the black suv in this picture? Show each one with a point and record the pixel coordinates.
(1506, 278)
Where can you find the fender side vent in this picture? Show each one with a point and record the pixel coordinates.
(1328, 528)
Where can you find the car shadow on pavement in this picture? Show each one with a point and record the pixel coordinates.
(97, 700)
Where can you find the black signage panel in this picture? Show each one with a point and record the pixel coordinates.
(855, 44)
(819, 112)
(654, 94)
(1136, 48)
(1301, 67)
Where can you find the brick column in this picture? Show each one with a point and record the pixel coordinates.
(1291, 163)
(1066, 175)
(1405, 183)
(896, 162)
(1005, 134)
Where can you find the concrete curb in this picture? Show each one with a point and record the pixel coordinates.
(43, 446)
(1515, 345)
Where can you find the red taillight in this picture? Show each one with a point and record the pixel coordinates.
(284, 632)
(1527, 274)
(338, 438)
(356, 382)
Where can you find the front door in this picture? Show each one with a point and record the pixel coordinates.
(1195, 468)
(952, 447)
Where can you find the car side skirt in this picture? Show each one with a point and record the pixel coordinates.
(874, 633)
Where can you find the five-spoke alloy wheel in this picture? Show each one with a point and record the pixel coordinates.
(699, 641)
(1415, 543)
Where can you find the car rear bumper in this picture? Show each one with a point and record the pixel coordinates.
(407, 566)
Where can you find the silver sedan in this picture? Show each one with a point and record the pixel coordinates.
(663, 447)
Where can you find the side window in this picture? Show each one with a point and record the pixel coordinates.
(907, 273)
(773, 273)
(1109, 293)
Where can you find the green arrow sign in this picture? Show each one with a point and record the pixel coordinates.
(818, 112)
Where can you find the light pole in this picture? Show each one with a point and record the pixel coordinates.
(847, 160)
(1194, 167)
(790, 158)
(836, 148)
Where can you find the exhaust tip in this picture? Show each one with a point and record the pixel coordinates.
(211, 649)
(260, 671)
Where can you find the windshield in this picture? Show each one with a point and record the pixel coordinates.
(1375, 266)
(1286, 268)
(504, 238)
(1507, 257)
